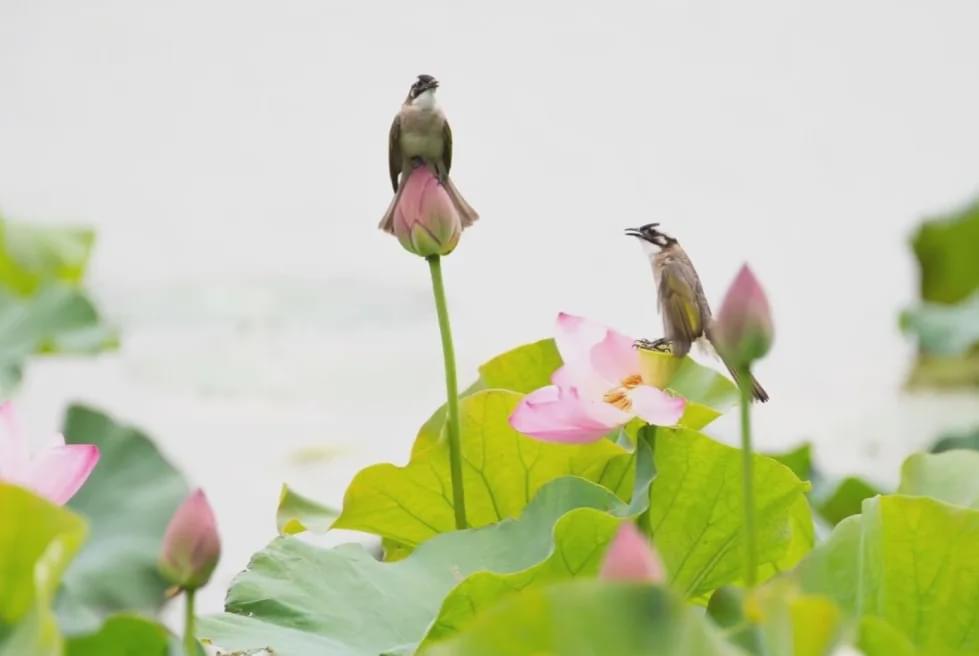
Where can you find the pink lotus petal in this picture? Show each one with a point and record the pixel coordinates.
(614, 358)
(557, 415)
(58, 473)
(654, 406)
(575, 336)
(630, 557)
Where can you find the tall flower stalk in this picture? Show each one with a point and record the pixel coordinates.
(451, 391)
(426, 223)
(744, 334)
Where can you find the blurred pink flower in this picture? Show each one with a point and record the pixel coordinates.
(55, 473)
(630, 557)
(598, 389)
(425, 220)
(191, 546)
(743, 328)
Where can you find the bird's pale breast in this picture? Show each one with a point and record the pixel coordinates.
(421, 133)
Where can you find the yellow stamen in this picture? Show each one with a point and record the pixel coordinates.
(618, 398)
(635, 380)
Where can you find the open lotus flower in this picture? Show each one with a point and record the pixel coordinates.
(54, 473)
(630, 557)
(598, 389)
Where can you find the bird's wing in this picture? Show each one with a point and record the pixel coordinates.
(394, 151)
(447, 146)
(682, 316)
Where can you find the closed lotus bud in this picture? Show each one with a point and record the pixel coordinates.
(191, 546)
(743, 328)
(425, 220)
(630, 557)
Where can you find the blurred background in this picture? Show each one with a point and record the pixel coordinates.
(231, 158)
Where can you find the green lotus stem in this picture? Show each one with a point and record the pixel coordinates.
(748, 491)
(190, 642)
(451, 391)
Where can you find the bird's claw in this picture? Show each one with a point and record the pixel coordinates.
(661, 345)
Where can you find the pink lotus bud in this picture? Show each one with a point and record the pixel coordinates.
(425, 220)
(630, 557)
(743, 329)
(191, 546)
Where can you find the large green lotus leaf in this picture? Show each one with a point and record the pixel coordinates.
(789, 622)
(37, 541)
(878, 638)
(950, 476)
(586, 618)
(32, 255)
(945, 330)
(125, 635)
(299, 599)
(57, 319)
(580, 540)
(522, 369)
(946, 252)
(696, 514)
(910, 561)
(502, 471)
(128, 501)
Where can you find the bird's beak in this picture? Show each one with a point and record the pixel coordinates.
(634, 232)
(434, 84)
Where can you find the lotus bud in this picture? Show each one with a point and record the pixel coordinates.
(191, 546)
(630, 557)
(743, 329)
(425, 220)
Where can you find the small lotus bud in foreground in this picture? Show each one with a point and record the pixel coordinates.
(425, 220)
(743, 328)
(191, 546)
(630, 557)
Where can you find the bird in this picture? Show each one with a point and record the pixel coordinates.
(420, 136)
(682, 302)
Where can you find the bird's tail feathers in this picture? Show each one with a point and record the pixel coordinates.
(467, 215)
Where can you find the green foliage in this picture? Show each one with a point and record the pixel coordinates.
(580, 539)
(845, 499)
(963, 440)
(37, 540)
(57, 319)
(584, 618)
(128, 501)
(296, 514)
(299, 599)
(946, 249)
(123, 635)
(909, 561)
(522, 369)
(502, 471)
(32, 256)
(695, 512)
(41, 310)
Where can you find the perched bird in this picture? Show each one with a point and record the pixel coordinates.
(420, 136)
(686, 314)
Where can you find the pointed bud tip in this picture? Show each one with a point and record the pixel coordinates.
(630, 557)
(191, 545)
